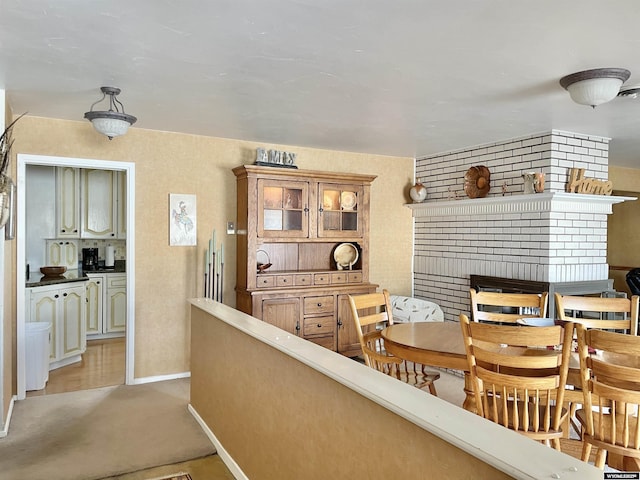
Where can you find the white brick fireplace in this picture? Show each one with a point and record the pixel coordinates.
(548, 237)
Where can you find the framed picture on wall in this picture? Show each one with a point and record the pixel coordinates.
(182, 220)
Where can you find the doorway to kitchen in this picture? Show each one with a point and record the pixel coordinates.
(128, 174)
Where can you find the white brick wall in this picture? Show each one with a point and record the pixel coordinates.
(531, 241)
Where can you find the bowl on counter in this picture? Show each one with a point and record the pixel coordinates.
(53, 271)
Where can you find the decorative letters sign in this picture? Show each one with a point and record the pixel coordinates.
(275, 158)
(579, 184)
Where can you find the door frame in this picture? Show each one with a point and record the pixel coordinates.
(46, 160)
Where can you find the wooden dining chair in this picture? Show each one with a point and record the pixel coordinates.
(518, 380)
(618, 314)
(371, 311)
(599, 312)
(610, 368)
(506, 308)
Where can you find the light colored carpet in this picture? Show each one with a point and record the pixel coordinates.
(102, 432)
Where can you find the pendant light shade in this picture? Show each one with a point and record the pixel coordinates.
(113, 122)
(595, 87)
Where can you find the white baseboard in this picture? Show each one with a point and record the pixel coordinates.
(5, 428)
(160, 378)
(233, 467)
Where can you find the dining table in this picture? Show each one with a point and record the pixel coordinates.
(436, 344)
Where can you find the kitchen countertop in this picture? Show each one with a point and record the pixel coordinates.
(37, 279)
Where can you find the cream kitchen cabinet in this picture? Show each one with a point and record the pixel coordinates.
(90, 203)
(67, 202)
(62, 252)
(98, 212)
(116, 303)
(62, 305)
(106, 305)
(121, 201)
(95, 304)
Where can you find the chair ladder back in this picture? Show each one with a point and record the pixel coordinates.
(610, 369)
(500, 307)
(603, 311)
(517, 380)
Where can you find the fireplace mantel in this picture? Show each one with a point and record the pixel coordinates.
(509, 204)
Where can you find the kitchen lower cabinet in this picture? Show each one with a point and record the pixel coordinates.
(116, 303)
(95, 304)
(106, 305)
(65, 308)
(322, 316)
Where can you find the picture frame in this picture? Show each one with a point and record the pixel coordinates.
(182, 220)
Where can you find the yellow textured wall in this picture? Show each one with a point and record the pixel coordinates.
(176, 163)
(623, 226)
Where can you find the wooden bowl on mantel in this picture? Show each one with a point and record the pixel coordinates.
(53, 271)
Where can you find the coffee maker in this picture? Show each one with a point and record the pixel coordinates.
(89, 258)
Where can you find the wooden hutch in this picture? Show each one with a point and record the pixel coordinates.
(289, 224)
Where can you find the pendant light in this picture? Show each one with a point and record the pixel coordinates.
(113, 122)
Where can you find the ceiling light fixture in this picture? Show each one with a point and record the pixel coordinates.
(631, 92)
(594, 87)
(113, 122)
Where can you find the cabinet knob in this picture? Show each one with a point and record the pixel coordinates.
(319, 325)
(339, 323)
(319, 304)
(56, 296)
(64, 294)
(284, 280)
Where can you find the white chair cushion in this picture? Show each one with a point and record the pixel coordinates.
(409, 309)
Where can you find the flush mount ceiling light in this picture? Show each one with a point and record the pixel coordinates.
(631, 92)
(594, 87)
(113, 122)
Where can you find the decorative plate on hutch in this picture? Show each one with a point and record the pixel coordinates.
(348, 200)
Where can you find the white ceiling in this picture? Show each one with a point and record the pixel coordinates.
(405, 78)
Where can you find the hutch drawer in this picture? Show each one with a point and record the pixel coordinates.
(266, 281)
(314, 326)
(318, 305)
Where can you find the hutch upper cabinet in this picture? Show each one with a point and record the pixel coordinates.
(290, 223)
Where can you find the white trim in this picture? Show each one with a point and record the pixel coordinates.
(161, 378)
(5, 429)
(27, 159)
(230, 463)
(540, 202)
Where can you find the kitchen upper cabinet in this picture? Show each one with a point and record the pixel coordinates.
(67, 202)
(63, 307)
(121, 200)
(90, 203)
(99, 208)
(62, 253)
